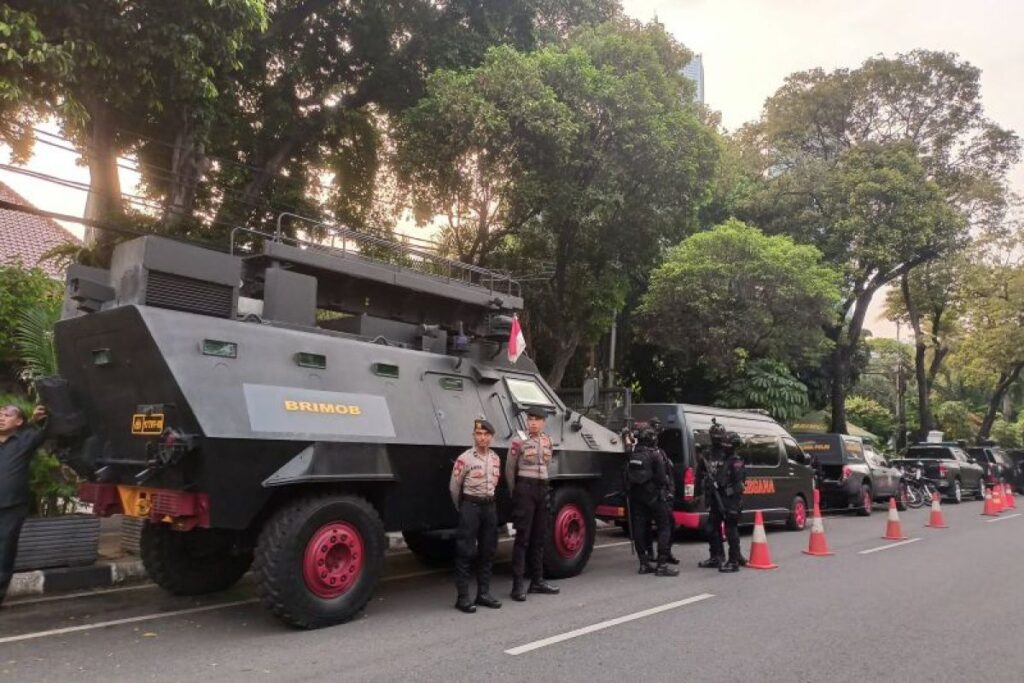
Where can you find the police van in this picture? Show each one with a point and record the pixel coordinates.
(780, 481)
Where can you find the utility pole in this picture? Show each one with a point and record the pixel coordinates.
(611, 350)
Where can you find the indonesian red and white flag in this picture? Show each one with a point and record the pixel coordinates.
(516, 340)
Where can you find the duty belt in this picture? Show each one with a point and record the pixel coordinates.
(532, 480)
(481, 500)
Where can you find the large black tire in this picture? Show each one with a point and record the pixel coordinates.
(956, 492)
(192, 562)
(980, 493)
(570, 538)
(866, 501)
(431, 549)
(286, 543)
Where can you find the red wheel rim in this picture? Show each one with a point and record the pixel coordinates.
(333, 559)
(570, 531)
(800, 513)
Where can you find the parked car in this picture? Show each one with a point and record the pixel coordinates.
(1016, 455)
(780, 482)
(999, 466)
(850, 473)
(949, 466)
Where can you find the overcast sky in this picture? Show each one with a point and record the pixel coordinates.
(749, 47)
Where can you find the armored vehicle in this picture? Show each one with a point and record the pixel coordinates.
(285, 408)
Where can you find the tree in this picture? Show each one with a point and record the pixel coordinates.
(955, 420)
(733, 293)
(180, 53)
(617, 174)
(994, 324)
(847, 158)
(929, 299)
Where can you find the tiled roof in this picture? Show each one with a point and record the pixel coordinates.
(25, 238)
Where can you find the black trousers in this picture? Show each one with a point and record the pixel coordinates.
(477, 536)
(11, 519)
(647, 508)
(713, 530)
(652, 534)
(530, 519)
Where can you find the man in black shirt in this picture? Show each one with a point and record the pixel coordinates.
(18, 443)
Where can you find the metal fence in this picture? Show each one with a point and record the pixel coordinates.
(613, 401)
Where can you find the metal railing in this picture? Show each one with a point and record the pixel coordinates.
(360, 245)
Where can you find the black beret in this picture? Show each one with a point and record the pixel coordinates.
(484, 425)
(537, 411)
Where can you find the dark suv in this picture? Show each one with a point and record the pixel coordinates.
(998, 466)
(949, 466)
(850, 473)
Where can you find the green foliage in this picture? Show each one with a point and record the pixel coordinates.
(767, 385)
(33, 338)
(733, 293)
(955, 420)
(1007, 434)
(871, 415)
(582, 161)
(21, 290)
(54, 486)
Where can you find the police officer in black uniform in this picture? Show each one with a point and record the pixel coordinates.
(647, 481)
(724, 480)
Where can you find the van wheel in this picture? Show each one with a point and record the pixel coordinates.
(797, 520)
(192, 562)
(957, 495)
(431, 549)
(319, 559)
(571, 536)
(866, 501)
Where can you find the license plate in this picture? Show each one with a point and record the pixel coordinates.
(148, 425)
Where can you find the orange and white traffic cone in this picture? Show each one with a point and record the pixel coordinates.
(990, 507)
(760, 556)
(818, 544)
(1011, 502)
(937, 520)
(893, 528)
(997, 498)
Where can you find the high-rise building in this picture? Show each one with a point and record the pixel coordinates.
(695, 72)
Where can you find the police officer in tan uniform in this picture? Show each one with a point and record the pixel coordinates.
(474, 480)
(526, 471)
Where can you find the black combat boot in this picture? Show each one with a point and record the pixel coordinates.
(730, 567)
(711, 563)
(541, 586)
(518, 592)
(464, 605)
(665, 570)
(672, 559)
(485, 599)
(645, 565)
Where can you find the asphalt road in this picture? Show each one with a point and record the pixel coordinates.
(941, 608)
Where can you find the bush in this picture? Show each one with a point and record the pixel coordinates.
(767, 385)
(21, 289)
(954, 419)
(1006, 434)
(871, 415)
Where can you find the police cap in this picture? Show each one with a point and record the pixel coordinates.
(536, 411)
(484, 425)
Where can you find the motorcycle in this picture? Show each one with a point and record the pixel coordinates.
(920, 490)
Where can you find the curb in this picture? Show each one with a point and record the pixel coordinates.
(101, 575)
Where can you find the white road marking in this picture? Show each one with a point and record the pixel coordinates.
(537, 644)
(890, 545)
(83, 594)
(129, 620)
(1000, 519)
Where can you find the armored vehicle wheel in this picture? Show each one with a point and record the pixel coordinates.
(319, 558)
(192, 562)
(571, 537)
(431, 549)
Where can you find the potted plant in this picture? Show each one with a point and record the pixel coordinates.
(58, 533)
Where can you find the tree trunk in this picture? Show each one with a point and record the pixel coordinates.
(840, 377)
(924, 386)
(846, 346)
(566, 350)
(104, 200)
(188, 165)
(1006, 380)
